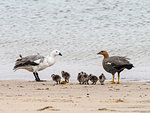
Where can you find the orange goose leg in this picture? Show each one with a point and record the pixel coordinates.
(112, 82)
(118, 79)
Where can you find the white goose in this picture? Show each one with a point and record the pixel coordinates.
(36, 63)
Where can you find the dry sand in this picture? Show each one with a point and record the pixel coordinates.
(34, 97)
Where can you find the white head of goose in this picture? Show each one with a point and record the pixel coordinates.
(115, 64)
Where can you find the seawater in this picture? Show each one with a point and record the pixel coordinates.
(79, 29)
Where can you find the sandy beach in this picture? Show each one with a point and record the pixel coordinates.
(18, 96)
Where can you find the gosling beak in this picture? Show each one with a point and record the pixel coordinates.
(60, 54)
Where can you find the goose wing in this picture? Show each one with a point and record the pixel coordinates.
(29, 61)
(116, 62)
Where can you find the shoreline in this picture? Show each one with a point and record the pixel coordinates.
(29, 96)
(136, 74)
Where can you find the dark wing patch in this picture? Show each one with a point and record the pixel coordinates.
(28, 61)
(127, 66)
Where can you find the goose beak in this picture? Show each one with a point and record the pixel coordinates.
(60, 54)
(98, 53)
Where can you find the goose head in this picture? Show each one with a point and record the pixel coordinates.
(56, 53)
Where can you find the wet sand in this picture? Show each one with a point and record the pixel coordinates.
(33, 97)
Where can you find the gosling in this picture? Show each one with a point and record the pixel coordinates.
(102, 78)
(93, 79)
(79, 77)
(85, 79)
(66, 76)
(82, 78)
(56, 78)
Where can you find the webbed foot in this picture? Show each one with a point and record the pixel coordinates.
(111, 82)
(118, 82)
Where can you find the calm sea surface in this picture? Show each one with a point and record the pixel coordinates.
(79, 29)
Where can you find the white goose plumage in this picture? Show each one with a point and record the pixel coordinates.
(36, 63)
